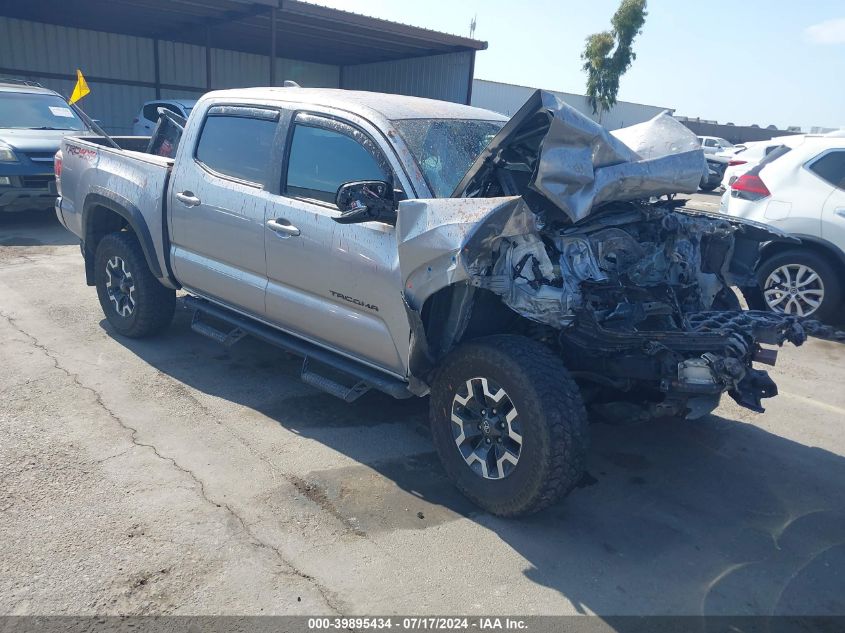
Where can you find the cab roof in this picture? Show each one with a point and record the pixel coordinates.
(367, 104)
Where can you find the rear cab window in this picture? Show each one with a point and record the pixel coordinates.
(237, 142)
(323, 154)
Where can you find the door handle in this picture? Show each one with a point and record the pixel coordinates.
(188, 199)
(840, 211)
(283, 227)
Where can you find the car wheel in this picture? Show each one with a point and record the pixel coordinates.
(508, 424)
(800, 283)
(134, 302)
(707, 187)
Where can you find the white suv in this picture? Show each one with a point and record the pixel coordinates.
(714, 144)
(751, 155)
(145, 121)
(799, 189)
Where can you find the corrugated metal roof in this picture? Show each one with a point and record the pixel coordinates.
(304, 31)
(437, 77)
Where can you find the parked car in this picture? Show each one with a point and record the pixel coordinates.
(800, 190)
(407, 245)
(716, 166)
(33, 121)
(145, 121)
(753, 153)
(743, 160)
(714, 144)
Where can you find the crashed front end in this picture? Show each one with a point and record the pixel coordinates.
(559, 219)
(642, 304)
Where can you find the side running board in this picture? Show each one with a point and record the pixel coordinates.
(333, 385)
(342, 369)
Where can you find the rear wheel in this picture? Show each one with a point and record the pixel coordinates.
(799, 283)
(134, 302)
(508, 424)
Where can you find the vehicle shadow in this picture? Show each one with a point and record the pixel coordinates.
(713, 517)
(34, 228)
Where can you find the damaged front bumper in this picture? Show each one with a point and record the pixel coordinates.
(686, 370)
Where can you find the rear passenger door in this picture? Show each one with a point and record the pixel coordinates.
(337, 285)
(217, 205)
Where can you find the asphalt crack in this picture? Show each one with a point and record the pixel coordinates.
(254, 540)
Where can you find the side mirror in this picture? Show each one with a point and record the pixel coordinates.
(366, 201)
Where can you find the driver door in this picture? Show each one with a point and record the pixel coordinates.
(337, 285)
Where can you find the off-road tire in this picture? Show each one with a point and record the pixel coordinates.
(830, 309)
(154, 305)
(553, 418)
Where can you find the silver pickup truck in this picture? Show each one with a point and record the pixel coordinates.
(519, 272)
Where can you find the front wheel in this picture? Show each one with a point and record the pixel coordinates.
(134, 302)
(508, 424)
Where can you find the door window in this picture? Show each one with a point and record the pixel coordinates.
(237, 146)
(321, 160)
(831, 167)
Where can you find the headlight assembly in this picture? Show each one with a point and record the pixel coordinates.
(7, 155)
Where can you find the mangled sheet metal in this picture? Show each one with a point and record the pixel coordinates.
(447, 240)
(576, 164)
(555, 219)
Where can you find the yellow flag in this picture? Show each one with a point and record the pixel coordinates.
(80, 89)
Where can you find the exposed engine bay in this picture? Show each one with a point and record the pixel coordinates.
(563, 222)
(645, 291)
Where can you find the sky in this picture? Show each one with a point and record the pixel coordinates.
(778, 62)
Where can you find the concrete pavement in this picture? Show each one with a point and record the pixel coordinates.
(174, 476)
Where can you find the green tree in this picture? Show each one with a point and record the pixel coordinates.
(609, 54)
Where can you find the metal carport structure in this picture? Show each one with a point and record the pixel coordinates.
(137, 50)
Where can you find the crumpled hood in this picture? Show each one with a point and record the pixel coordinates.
(550, 149)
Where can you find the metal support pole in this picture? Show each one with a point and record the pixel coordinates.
(156, 69)
(208, 57)
(470, 78)
(273, 46)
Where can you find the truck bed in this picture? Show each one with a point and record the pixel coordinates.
(96, 174)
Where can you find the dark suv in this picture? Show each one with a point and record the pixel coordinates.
(33, 121)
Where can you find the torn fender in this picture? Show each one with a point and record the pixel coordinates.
(446, 240)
